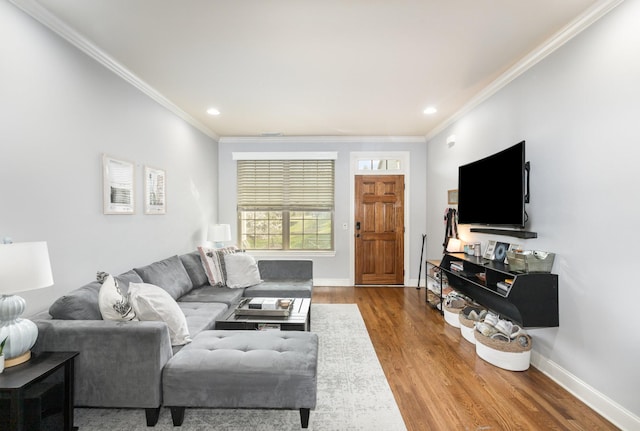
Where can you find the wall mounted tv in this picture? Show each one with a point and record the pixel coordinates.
(491, 191)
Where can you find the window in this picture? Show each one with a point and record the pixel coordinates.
(286, 204)
(379, 165)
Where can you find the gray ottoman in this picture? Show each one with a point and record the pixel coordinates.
(243, 369)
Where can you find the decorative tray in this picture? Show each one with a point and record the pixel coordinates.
(281, 307)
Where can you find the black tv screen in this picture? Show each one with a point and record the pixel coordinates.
(491, 191)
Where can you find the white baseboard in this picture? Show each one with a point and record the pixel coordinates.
(615, 413)
(343, 282)
(332, 282)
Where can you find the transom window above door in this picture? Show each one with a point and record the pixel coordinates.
(379, 165)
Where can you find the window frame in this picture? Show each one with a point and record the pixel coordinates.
(287, 209)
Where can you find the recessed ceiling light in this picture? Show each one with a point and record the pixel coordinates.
(430, 110)
(213, 111)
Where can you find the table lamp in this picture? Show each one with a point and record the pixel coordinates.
(219, 234)
(23, 266)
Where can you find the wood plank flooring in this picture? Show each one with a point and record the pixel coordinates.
(438, 381)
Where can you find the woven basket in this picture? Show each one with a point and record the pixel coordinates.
(451, 315)
(466, 322)
(509, 356)
(503, 346)
(467, 328)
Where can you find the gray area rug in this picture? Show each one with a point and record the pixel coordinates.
(353, 392)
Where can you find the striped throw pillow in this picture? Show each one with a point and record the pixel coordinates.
(213, 263)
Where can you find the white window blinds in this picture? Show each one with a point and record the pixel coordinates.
(285, 184)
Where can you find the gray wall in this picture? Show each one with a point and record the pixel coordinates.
(578, 111)
(335, 268)
(60, 111)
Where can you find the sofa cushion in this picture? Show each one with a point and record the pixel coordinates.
(201, 316)
(82, 303)
(169, 274)
(79, 304)
(208, 293)
(286, 269)
(242, 270)
(193, 264)
(153, 303)
(213, 263)
(114, 302)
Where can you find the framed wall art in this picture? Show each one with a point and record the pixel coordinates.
(155, 197)
(118, 186)
(452, 197)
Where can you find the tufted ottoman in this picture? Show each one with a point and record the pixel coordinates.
(243, 369)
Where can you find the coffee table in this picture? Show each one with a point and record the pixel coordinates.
(298, 319)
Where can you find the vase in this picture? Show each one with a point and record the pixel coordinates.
(1, 363)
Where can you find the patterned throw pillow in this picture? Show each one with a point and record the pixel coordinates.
(113, 302)
(213, 263)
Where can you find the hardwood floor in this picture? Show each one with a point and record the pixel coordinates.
(438, 381)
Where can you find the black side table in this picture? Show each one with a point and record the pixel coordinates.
(15, 381)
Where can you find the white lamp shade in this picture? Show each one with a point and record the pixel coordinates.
(219, 232)
(24, 266)
(453, 246)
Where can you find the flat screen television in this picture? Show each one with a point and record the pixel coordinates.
(491, 191)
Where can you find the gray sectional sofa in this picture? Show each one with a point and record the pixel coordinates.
(120, 364)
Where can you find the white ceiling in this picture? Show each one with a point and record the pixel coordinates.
(318, 67)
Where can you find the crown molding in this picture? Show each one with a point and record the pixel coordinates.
(324, 139)
(45, 17)
(568, 32)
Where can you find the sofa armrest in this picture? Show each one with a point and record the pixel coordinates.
(120, 363)
(274, 270)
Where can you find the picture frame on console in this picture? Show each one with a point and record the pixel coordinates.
(155, 191)
(118, 185)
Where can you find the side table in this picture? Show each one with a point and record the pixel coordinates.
(15, 381)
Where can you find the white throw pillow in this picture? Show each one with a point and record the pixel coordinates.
(151, 302)
(114, 305)
(242, 270)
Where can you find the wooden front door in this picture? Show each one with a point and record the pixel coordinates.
(379, 229)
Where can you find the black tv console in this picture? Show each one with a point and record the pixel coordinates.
(531, 301)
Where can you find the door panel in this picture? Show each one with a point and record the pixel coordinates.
(379, 243)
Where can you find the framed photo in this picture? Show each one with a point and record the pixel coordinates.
(155, 197)
(118, 186)
(489, 253)
(500, 252)
(452, 197)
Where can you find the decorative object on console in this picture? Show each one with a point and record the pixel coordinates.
(219, 234)
(489, 252)
(454, 245)
(23, 266)
(500, 252)
(530, 261)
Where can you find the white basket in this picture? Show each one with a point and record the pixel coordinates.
(512, 361)
(467, 334)
(451, 317)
